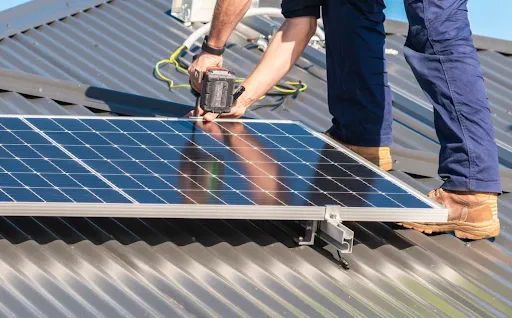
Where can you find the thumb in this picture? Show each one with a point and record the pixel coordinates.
(190, 113)
(196, 112)
(210, 116)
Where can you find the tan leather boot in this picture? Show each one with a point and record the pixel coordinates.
(379, 156)
(470, 215)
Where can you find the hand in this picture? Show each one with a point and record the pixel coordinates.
(199, 66)
(237, 111)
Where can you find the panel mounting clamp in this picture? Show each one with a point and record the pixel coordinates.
(337, 234)
(331, 231)
(311, 228)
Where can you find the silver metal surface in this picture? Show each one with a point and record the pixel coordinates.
(194, 119)
(181, 211)
(387, 214)
(331, 231)
(336, 233)
(200, 211)
(308, 238)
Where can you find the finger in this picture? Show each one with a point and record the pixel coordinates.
(195, 85)
(192, 68)
(198, 111)
(235, 113)
(232, 116)
(190, 114)
(210, 116)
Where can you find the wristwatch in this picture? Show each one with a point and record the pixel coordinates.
(212, 50)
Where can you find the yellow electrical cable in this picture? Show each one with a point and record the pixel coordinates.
(174, 61)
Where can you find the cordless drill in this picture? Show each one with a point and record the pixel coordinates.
(218, 93)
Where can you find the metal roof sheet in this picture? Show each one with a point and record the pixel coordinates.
(15, 103)
(148, 267)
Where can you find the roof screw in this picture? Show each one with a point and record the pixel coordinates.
(343, 261)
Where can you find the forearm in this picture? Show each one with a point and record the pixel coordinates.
(226, 16)
(282, 53)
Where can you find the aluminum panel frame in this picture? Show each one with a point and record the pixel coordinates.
(179, 211)
(436, 213)
(205, 211)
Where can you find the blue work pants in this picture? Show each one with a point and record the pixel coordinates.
(441, 54)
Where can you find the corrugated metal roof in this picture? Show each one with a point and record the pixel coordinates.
(15, 103)
(147, 267)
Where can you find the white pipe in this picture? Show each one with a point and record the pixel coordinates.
(271, 12)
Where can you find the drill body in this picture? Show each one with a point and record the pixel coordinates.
(218, 91)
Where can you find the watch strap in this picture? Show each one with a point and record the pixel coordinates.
(210, 49)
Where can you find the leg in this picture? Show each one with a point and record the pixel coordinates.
(441, 54)
(359, 95)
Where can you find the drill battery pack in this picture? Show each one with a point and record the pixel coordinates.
(218, 90)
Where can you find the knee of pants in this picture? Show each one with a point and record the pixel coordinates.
(439, 27)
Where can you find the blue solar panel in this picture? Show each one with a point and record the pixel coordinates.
(183, 162)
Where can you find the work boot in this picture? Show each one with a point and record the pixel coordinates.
(379, 156)
(471, 215)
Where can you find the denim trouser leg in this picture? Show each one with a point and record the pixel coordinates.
(441, 54)
(358, 92)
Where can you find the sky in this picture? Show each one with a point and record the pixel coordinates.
(6, 4)
(487, 20)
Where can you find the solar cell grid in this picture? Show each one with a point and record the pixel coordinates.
(183, 162)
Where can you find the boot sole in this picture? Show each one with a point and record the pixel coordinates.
(463, 230)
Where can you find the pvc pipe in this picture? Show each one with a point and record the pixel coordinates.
(272, 12)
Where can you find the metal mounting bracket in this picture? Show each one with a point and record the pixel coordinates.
(331, 231)
(309, 237)
(337, 234)
(334, 232)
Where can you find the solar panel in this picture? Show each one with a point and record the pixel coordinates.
(139, 162)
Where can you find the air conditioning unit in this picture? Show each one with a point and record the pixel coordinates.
(190, 11)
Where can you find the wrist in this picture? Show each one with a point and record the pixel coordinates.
(245, 100)
(216, 43)
(212, 47)
(251, 94)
